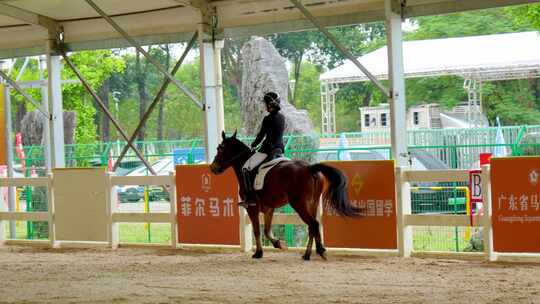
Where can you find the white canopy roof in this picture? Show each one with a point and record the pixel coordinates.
(24, 23)
(490, 57)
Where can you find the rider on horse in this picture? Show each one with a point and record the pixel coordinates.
(272, 128)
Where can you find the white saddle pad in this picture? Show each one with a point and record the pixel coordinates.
(263, 170)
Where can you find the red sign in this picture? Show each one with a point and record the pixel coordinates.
(371, 187)
(515, 203)
(207, 206)
(485, 158)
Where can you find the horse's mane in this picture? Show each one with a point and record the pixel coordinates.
(238, 144)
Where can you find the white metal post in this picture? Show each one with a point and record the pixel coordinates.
(486, 202)
(9, 154)
(398, 111)
(218, 44)
(2, 232)
(112, 200)
(403, 206)
(174, 218)
(212, 92)
(46, 122)
(56, 109)
(51, 212)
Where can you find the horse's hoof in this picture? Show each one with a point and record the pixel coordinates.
(306, 257)
(279, 245)
(257, 255)
(322, 252)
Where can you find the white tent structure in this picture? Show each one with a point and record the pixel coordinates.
(477, 59)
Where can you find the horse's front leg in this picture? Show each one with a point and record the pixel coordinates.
(268, 216)
(253, 213)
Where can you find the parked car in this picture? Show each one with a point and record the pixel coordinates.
(128, 166)
(127, 194)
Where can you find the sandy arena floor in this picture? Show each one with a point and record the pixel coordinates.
(164, 276)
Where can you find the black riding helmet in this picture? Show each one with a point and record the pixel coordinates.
(272, 99)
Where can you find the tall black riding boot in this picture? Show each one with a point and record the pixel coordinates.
(250, 197)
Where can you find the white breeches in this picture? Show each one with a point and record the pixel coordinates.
(255, 160)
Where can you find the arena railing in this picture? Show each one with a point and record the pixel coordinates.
(43, 216)
(166, 181)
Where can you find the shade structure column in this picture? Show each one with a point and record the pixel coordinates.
(9, 156)
(56, 117)
(398, 125)
(46, 122)
(212, 92)
(396, 78)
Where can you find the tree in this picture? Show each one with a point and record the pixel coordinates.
(141, 70)
(183, 119)
(161, 105)
(74, 95)
(20, 106)
(481, 22)
(316, 48)
(526, 15)
(104, 128)
(294, 46)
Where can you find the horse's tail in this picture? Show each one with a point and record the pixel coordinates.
(335, 195)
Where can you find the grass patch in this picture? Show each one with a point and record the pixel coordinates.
(159, 233)
(440, 238)
(424, 238)
(21, 230)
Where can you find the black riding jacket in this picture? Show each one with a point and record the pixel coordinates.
(272, 128)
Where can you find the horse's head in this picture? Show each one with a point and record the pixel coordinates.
(229, 151)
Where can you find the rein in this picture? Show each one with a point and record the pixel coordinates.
(230, 161)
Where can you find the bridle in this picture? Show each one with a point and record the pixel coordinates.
(230, 161)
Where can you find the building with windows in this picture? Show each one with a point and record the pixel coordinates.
(422, 116)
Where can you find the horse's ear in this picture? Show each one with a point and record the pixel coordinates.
(235, 131)
(223, 135)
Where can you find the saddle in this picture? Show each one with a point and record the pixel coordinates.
(264, 169)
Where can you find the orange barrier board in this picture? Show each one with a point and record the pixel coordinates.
(207, 206)
(515, 189)
(371, 187)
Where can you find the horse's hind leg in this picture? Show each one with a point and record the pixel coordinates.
(307, 254)
(319, 247)
(313, 229)
(268, 216)
(253, 213)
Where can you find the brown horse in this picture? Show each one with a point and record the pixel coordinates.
(295, 182)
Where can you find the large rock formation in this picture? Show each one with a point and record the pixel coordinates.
(32, 128)
(264, 70)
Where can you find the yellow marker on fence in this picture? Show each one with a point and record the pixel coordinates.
(146, 206)
(468, 210)
(17, 200)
